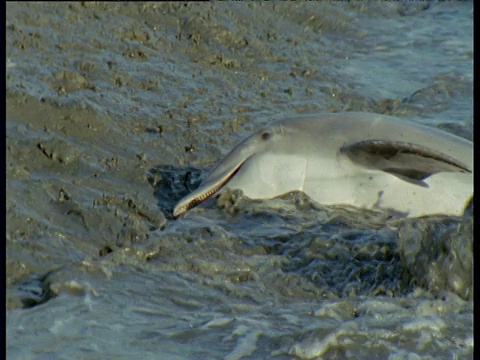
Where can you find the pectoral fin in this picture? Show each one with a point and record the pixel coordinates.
(410, 162)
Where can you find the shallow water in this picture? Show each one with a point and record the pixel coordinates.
(114, 110)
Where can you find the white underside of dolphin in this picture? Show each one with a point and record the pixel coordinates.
(366, 160)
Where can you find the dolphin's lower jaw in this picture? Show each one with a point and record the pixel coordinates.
(204, 192)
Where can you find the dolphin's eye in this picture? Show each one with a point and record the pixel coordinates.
(266, 135)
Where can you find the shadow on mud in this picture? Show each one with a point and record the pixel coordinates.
(171, 183)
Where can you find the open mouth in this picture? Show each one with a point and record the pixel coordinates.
(204, 192)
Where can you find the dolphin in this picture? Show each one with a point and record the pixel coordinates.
(364, 160)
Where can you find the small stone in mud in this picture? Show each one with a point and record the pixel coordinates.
(59, 150)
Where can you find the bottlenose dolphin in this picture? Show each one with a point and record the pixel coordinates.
(366, 160)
